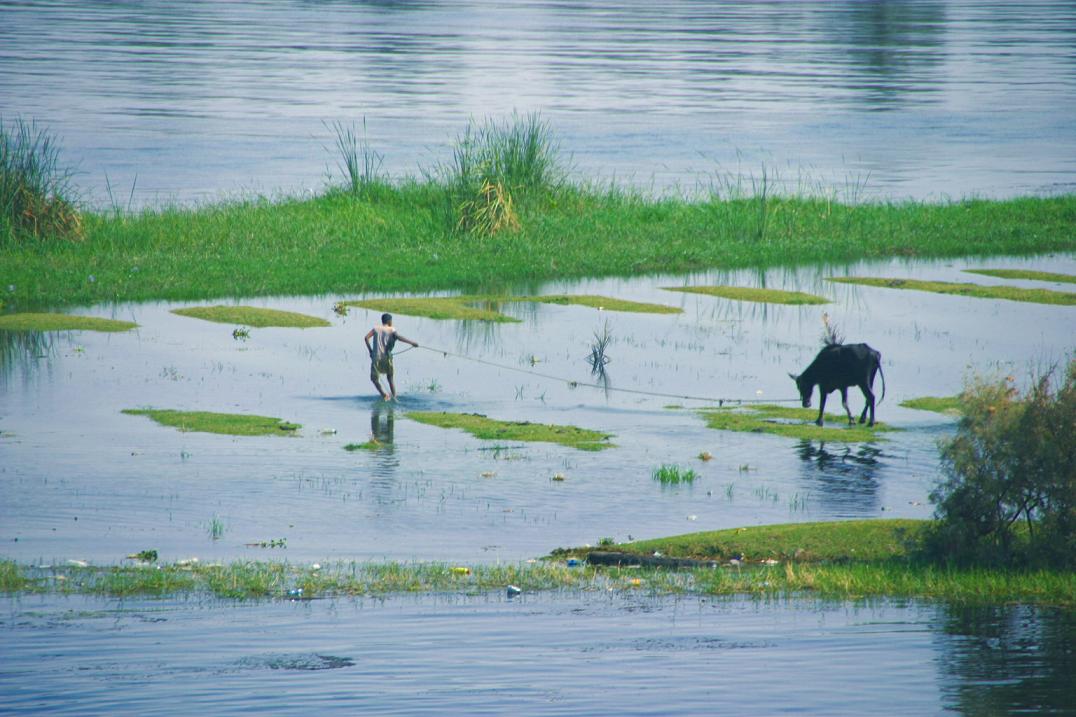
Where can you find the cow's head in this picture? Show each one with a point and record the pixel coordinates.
(805, 387)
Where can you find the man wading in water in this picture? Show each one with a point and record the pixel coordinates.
(385, 337)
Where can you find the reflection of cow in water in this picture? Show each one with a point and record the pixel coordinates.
(839, 366)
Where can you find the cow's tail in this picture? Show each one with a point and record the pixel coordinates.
(880, 371)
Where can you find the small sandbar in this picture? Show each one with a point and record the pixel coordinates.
(232, 424)
(486, 307)
(486, 428)
(978, 291)
(252, 316)
(743, 293)
(791, 423)
(1024, 274)
(948, 405)
(61, 322)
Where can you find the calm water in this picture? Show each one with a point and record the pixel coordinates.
(202, 99)
(537, 654)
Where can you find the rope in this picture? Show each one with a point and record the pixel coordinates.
(575, 384)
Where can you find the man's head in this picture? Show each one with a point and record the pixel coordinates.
(386, 319)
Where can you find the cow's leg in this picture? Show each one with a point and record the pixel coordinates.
(869, 395)
(844, 402)
(821, 405)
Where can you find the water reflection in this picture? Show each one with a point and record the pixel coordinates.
(842, 476)
(383, 431)
(23, 350)
(1008, 659)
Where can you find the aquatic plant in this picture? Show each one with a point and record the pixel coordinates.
(488, 211)
(252, 316)
(1025, 274)
(35, 191)
(216, 528)
(484, 307)
(232, 424)
(949, 405)
(597, 357)
(743, 293)
(519, 154)
(979, 291)
(790, 423)
(486, 428)
(61, 322)
(673, 474)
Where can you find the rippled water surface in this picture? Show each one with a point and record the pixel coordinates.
(895, 99)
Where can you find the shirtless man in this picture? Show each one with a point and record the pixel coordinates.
(384, 338)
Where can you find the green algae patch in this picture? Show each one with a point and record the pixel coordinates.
(605, 303)
(459, 308)
(948, 405)
(1024, 274)
(743, 293)
(486, 428)
(846, 540)
(252, 316)
(791, 423)
(61, 322)
(486, 307)
(978, 291)
(232, 424)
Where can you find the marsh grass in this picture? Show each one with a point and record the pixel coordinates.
(486, 307)
(673, 475)
(61, 322)
(743, 293)
(36, 193)
(232, 424)
(252, 316)
(360, 164)
(1025, 274)
(791, 423)
(371, 445)
(978, 291)
(485, 428)
(948, 405)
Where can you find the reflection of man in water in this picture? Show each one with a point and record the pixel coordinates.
(384, 338)
(382, 424)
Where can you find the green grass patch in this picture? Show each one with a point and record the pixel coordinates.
(978, 291)
(743, 293)
(61, 322)
(252, 316)
(673, 475)
(949, 405)
(485, 428)
(371, 445)
(486, 308)
(232, 424)
(1025, 274)
(791, 423)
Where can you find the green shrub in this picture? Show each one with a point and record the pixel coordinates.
(1009, 495)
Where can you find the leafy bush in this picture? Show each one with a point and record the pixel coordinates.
(1009, 496)
(34, 190)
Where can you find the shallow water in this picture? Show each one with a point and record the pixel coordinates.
(159, 102)
(542, 654)
(79, 480)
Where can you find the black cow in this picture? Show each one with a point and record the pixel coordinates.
(839, 366)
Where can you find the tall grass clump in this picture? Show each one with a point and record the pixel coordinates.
(1009, 495)
(35, 191)
(359, 163)
(496, 164)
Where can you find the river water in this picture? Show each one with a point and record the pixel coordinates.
(201, 100)
(162, 102)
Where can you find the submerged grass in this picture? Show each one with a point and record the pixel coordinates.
(1025, 274)
(1009, 293)
(742, 293)
(252, 316)
(485, 428)
(673, 474)
(840, 560)
(61, 322)
(377, 236)
(791, 423)
(476, 307)
(232, 424)
(949, 405)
